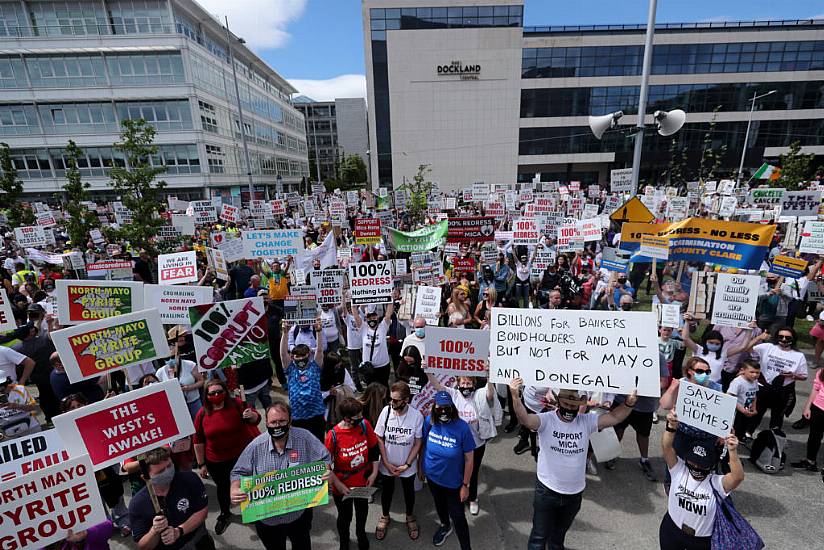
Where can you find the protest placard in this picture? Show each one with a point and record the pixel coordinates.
(620, 180)
(735, 299)
(654, 247)
(669, 315)
(273, 244)
(45, 219)
(328, 285)
(569, 238)
(229, 333)
(217, 262)
(32, 236)
(371, 283)
(767, 197)
(463, 265)
(456, 351)
(126, 425)
(801, 203)
(812, 238)
(82, 301)
(497, 209)
(232, 249)
(428, 303)
(615, 259)
(786, 266)
(615, 352)
(28, 453)
(116, 269)
(463, 230)
(589, 229)
(301, 305)
(708, 410)
(525, 232)
(173, 301)
(202, 212)
(420, 240)
(184, 224)
(39, 509)
(284, 491)
(177, 268)
(367, 231)
(97, 347)
(7, 321)
(229, 213)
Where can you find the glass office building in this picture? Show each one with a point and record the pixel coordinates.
(76, 69)
(565, 74)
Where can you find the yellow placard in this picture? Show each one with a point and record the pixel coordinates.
(632, 211)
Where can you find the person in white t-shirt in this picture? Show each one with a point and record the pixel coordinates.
(745, 389)
(417, 337)
(375, 347)
(399, 429)
(693, 496)
(354, 344)
(563, 437)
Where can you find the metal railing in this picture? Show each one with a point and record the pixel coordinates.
(766, 24)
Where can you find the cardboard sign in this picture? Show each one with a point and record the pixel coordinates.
(284, 491)
(82, 301)
(428, 304)
(463, 265)
(620, 180)
(654, 247)
(7, 321)
(801, 203)
(32, 236)
(229, 333)
(456, 351)
(608, 351)
(669, 315)
(705, 409)
(525, 232)
(367, 231)
(615, 259)
(232, 249)
(767, 197)
(178, 268)
(273, 244)
(496, 209)
(589, 229)
(217, 261)
(45, 219)
(97, 347)
(371, 283)
(203, 212)
(173, 302)
(328, 285)
(40, 508)
(23, 455)
(812, 238)
(735, 299)
(126, 425)
(464, 230)
(301, 305)
(786, 266)
(229, 213)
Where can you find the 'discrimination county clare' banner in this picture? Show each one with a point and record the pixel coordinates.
(81, 301)
(229, 333)
(733, 244)
(419, 240)
(284, 491)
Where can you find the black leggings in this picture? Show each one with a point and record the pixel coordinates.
(477, 458)
(388, 491)
(316, 425)
(670, 537)
(219, 472)
(361, 506)
(775, 399)
(816, 433)
(450, 511)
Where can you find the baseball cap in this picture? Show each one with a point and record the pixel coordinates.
(36, 308)
(702, 454)
(443, 399)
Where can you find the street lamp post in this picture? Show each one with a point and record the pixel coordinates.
(642, 100)
(240, 115)
(755, 97)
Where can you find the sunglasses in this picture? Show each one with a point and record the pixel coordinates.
(397, 401)
(216, 392)
(786, 338)
(442, 410)
(701, 371)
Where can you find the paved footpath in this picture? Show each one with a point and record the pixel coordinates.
(621, 509)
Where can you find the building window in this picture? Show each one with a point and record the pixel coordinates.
(139, 16)
(81, 18)
(66, 71)
(208, 116)
(12, 74)
(13, 20)
(177, 159)
(163, 115)
(17, 120)
(78, 118)
(145, 69)
(216, 158)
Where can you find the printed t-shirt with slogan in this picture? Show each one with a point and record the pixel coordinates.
(743, 390)
(350, 452)
(399, 433)
(775, 361)
(443, 457)
(692, 502)
(563, 457)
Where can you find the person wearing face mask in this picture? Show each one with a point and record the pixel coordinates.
(479, 409)
(693, 498)
(354, 344)
(411, 370)
(303, 374)
(561, 467)
(622, 288)
(417, 337)
(399, 430)
(331, 326)
(223, 428)
(184, 505)
(446, 461)
(375, 346)
(282, 446)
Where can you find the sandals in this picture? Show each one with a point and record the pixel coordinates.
(380, 530)
(412, 527)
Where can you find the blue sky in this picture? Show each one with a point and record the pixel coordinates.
(318, 44)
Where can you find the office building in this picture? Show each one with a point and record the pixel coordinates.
(75, 69)
(465, 87)
(334, 130)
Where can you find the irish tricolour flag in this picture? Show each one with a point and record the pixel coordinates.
(767, 172)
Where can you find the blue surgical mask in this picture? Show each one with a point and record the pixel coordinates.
(420, 332)
(701, 378)
(713, 347)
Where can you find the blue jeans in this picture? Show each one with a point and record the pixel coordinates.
(262, 394)
(193, 407)
(552, 517)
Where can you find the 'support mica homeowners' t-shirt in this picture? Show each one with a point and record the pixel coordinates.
(399, 433)
(563, 456)
(775, 361)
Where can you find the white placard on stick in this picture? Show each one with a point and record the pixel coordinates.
(178, 268)
(735, 299)
(670, 315)
(705, 409)
(33, 236)
(608, 351)
(428, 303)
(371, 282)
(456, 351)
(21, 456)
(7, 321)
(272, 244)
(173, 301)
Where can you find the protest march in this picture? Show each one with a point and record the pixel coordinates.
(295, 357)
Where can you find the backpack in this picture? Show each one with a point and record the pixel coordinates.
(767, 451)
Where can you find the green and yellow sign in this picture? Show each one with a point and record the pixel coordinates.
(284, 491)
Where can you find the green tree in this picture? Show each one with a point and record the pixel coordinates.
(136, 185)
(711, 158)
(79, 219)
(352, 172)
(796, 167)
(11, 188)
(676, 171)
(418, 190)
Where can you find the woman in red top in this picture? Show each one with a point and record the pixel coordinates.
(223, 428)
(354, 449)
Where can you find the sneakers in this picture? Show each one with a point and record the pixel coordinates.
(805, 465)
(521, 447)
(610, 464)
(474, 508)
(646, 468)
(801, 423)
(222, 524)
(592, 469)
(810, 318)
(440, 535)
(655, 418)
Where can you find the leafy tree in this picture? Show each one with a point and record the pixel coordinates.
(79, 219)
(796, 167)
(676, 171)
(10, 190)
(418, 190)
(352, 172)
(711, 158)
(136, 185)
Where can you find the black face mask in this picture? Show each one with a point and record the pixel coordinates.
(398, 406)
(444, 418)
(466, 392)
(278, 432)
(302, 363)
(567, 415)
(698, 473)
(372, 323)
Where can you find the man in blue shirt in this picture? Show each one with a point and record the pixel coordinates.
(303, 382)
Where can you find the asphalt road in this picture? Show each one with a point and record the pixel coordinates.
(621, 508)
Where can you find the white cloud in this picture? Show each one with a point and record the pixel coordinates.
(345, 85)
(262, 23)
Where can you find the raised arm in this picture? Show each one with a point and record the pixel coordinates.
(357, 316)
(618, 414)
(390, 309)
(764, 336)
(667, 438)
(733, 479)
(685, 335)
(527, 420)
(284, 343)
(320, 342)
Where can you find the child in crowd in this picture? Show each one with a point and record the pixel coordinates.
(745, 388)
